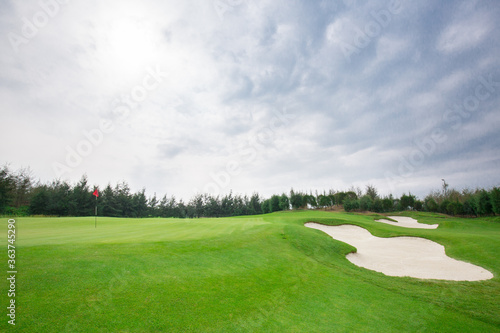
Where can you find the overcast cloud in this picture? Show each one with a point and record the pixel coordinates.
(183, 96)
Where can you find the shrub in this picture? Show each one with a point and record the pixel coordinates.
(274, 203)
(378, 206)
(340, 197)
(407, 202)
(324, 201)
(483, 203)
(350, 205)
(266, 207)
(284, 203)
(309, 199)
(455, 208)
(351, 195)
(365, 203)
(387, 204)
(296, 200)
(443, 207)
(469, 207)
(495, 199)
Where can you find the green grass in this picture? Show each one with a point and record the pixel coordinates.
(264, 273)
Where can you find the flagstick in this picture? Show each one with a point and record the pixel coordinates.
(95, 222)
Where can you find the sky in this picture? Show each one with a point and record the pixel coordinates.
(212, 96)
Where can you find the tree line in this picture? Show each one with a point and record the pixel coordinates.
(478, 202)
(20, 195)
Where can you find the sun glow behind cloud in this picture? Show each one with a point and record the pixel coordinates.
(127, 40)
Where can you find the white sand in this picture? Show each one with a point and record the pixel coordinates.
(408, 222)
(402, 256)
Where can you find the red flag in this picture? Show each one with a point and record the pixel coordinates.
(96, 193)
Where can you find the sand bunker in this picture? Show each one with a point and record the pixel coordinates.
(408, 222)
(402, 256)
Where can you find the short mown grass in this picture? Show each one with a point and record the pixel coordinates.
(264, 273)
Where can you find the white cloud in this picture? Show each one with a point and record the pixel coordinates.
(453, 81)
(465, 33)
(389, 48)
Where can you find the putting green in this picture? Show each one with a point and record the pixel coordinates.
(45, 231)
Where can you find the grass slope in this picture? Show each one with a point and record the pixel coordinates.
(264, 273)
